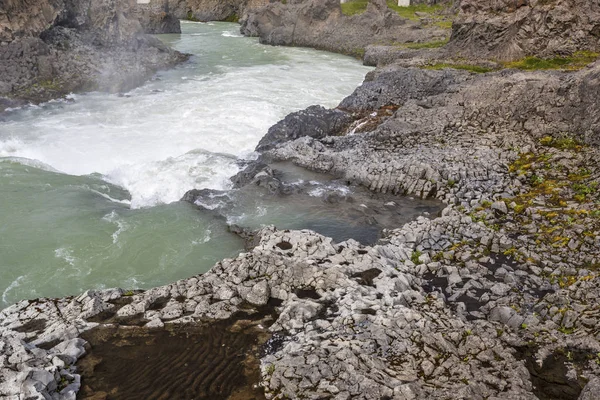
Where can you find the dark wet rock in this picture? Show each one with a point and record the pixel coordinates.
(315, 122)
(201, 196)
(246, 175)
(395, 87)
(251, 237)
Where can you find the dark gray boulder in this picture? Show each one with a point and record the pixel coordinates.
(315, 121)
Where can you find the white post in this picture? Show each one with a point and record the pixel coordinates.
(403, 3)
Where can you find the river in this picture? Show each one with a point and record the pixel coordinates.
(89, 186)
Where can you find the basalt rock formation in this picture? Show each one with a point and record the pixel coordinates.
(214, 10)
(321, 24)
(52, 47)
(512, 29)
(496, 298)
(156, 17)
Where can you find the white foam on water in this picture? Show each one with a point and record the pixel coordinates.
(113, 217)
(203, 240)
(107, 197)
(231, 34)
(66, 255)
(13, 285)
(187, 129)
(156, 141)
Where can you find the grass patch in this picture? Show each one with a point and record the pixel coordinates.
(577, 61)
(415, 257)
(358, 52)
(409, 12)
(426, 45)
(354, 7)
(445, 24)
(232, 18)
(564, 143)
(467, 67)
(190, 17)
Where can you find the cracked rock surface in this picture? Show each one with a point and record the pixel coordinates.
(496, 298)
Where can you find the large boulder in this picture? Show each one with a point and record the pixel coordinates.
(316, 122)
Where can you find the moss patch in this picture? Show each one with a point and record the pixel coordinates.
(426, 45)
(559, 196)
(409, 12)
(577, 61)
(467, 67)
(354, 7)
(190, 17)
(232, 18)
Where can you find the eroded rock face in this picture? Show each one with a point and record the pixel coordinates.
(512, 29)
(156, 17)
(50, 48)
(213, 10)
(321, 24)
(399, 156)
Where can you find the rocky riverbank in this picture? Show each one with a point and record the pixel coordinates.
(323, 25)
(497, 297)
(52, 48)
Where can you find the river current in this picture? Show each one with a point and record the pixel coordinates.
(89, 186)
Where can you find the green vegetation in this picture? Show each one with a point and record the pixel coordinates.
(415, 257)
(444, 24)
(232, 18)
(190, 17)
(409, 12)
(467, 67)
(354, 7)
(564, 143)
(359, 52)
(577, 61)
(270, 369)
(427, 45)
(566, 331)
(52, 85)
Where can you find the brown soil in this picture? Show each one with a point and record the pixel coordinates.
(215, 361)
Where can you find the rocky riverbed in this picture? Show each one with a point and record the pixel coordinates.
(496, 298)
